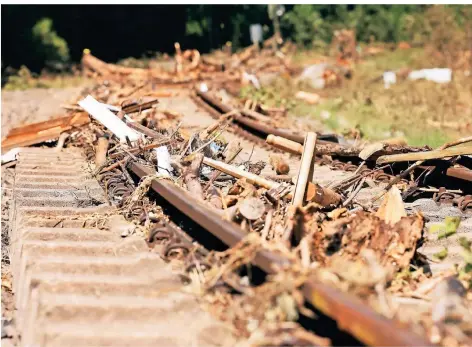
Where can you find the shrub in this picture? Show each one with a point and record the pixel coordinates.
(49, 45)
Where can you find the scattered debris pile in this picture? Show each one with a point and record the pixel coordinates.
(322, 231)
(190, 66)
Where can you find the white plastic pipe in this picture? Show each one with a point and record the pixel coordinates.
(101, 113)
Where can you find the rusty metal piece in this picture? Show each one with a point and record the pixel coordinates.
(160, 233)
(466, 203)
(201, 265)
(443, 196)
(463, 202)
(176, 251)
(461, 173)
(382, 176)
(350, 167)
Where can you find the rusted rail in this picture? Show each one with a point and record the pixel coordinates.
(323, 146)
(351, 314)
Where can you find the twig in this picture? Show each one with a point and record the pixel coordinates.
(355, 192)
(267, 225)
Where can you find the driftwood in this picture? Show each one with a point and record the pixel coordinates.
(232, 154)
(436, 154)
(138, 107)
(108, 119)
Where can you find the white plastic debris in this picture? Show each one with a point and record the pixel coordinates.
(203, 87)
(163, 161)
(108, 119)
(435, 75)
(313, 75)
(389, 78)
(252, 79)
(10, 155)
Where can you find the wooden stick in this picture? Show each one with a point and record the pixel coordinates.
(305, 173)
(285, 144)
(436, 154)
(101, 151)
(239, 173)
(139, 107)
(256, 115)
(142, 129)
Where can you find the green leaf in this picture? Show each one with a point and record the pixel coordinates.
(446, 229)
(464, 243)
(441, 255)
(452, 223)
(436, 228)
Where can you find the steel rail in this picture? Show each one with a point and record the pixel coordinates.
(322, 146)
(351, 314)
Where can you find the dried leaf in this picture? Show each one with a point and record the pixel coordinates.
(392, 209)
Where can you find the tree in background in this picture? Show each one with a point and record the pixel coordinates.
(51, 47)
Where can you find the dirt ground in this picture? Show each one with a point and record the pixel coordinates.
(33, 105)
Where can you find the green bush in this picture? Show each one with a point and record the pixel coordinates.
(49, 45)
(306, 25)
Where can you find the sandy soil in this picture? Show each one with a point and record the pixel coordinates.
(21, 107)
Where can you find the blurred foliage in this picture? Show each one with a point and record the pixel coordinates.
(418, 24)
(50, 46)
(60, 33)
(25, 79)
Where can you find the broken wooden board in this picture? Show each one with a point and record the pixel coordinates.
(43, 131)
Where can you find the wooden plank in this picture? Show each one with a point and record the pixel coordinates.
(75, 120)
(42, 131)
(436, 154)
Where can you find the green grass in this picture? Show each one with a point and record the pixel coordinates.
(378, 113)
(24, 79)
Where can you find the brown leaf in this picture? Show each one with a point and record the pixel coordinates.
(392, 209)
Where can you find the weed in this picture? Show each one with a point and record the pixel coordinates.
(25, 79)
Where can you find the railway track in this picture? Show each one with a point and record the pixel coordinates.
(76, 277)
(77, 282)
